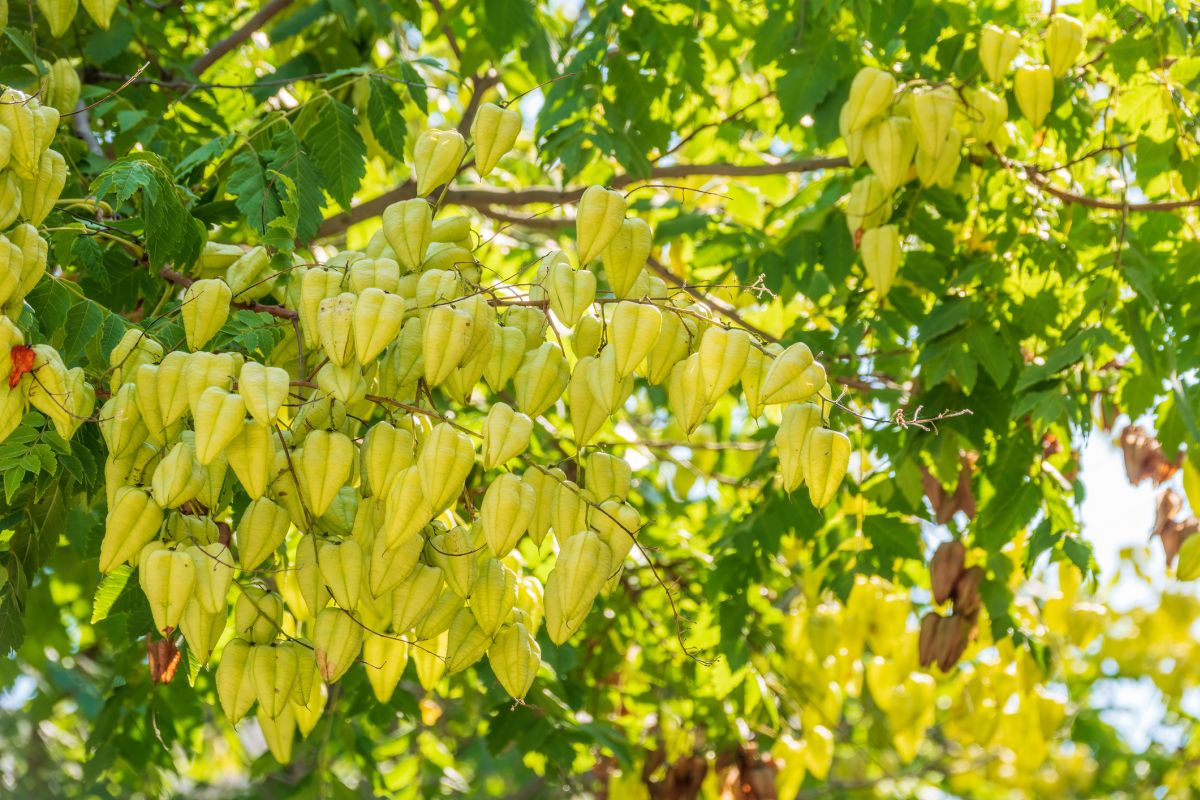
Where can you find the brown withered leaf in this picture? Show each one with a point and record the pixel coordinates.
(947, 504)
(1170, 531)
(164, 660)
(966, 592)
(1144, 457)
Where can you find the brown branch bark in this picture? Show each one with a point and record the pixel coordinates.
(1038, 179)
(483, 197)
(224, 46)
(171, 276)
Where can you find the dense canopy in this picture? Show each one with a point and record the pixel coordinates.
(491, 398)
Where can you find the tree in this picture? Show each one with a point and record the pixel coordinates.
(627, 400)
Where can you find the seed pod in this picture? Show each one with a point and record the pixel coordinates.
(337, 641)
(793, 376)
(506, 434)
(617, 524)
(389, 567)
(279, 732)
(374, 273)
(888, 147)
(378, 318)
(274, 669)
(940, 171)
(170, 576)
(454, 552)
(584, 564)
(171, 386)
(493, 596)
(508, 350)
(384, 658)
(414, 598)
(34, 252)
(670, 347)
(545, 485)
(626, 255)
(945, 568)
(252, 455)
(101, 11)
(385, 451)
(987, 113)
(723, 355)
(515, 657)
(177, 477)
(314, 285)
(569, 508)
(205, 371)
(39, 193)
(250, 277)
(1187, 567)
(202, 630)
(345, 384)
(926, 653)
(881, 256)
(532, 322)
(133, 521)
(466, 642)
(587, 414)
(607, 476)
(869, 204)
(508, 509)
(120, 420)
(258, 615)
(1034, 87)
(446, 605)
(1064, 43)
(216, 258)
(308, 575)
(445, 336)
(323, 466)
(262, 529)
(408, 509)
(950, 639)
(932, 115)
(571, 291)
(826, 456)
(204, 309)
(997, 48)
(966, 592)
(870, 97)
(632, 333)
(342, 565)
(146, 394)
(60, 87)
(429, 657)
(445, 460)
(494, 132)
(685, 393)
(799, 420)
(32, 128)
(587, 336)
(218, 419)
(598, 219)
(436, 157)
(235, 679)
(541, 379)
(335, 328)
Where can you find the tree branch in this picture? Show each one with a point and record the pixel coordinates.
(171, 276)
(83, 129)
(214, 54)
(484, 197)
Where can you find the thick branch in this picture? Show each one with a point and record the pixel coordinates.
(214, 54)
(1038, 179)
(171, 276)
(482, 197)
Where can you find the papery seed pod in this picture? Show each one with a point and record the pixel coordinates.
(260, 531)
(337, 641)
(587, 414)
(881, 255)
(60, 86)
(506, 435)
(408, 508)
(258, 615)
(1064, 43)
(146, 394)
(945, 568)
(279, 733)
(177, 476)
(869, 204)
(889, 147)
(207, 370)
(757, 364)
(429, 658)
(508, 351)
(508, 509)
(597, 221)
(941, 170)
(314, 285)
(335, 328)
(101, 11)
(378, 318)
(252, 454)
(447, 604)
(799, 420)
(342, 565)
(494, 132)
(545, 486)
(966, 592)
(133, 521)
(171, 386)
(374, 273)
(249, 276)
(385, 451)
(587, 336)
(950, 640)
(569, 509)
(202, 630)
(793, 376)
(455, 552)
(59, 14)
(436, 157)
(384, 658)
(571, 291)
(723, 353)
(274, 671)
(932, 115)
(826, 456)
(451, 230)
(414, 598)
(218, 419)
(632, 333)
(322, 467)
(466, 642)
(541, 379)
(1187, 565)
(121, 422)
(870, 97)
(235, 679)
(670, 347)
(217, 257)
(204, 309)
(446, 334)
(170, 576)
(1034, 87)
(584, 564)
(445, 460)
(345, 384)
(607, 476)
(515, 658)
(493, 596)
(626, 255)
(997, 48)
(389, 567)
(685, 393)
(308, 575)
(987, 113)
(32, 128)
(617, 524)
(930, 623)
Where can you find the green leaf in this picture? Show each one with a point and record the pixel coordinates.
(109, 591)
(385, 113)
(333, 141)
